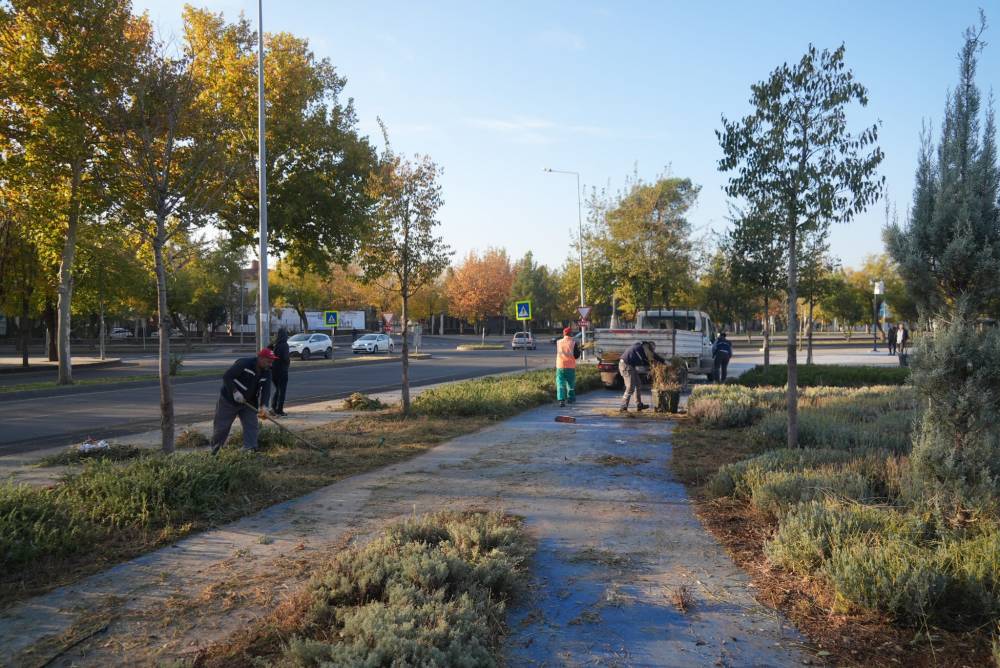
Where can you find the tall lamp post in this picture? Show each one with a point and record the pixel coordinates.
(579, 219)
(879, 289)
(264, 306)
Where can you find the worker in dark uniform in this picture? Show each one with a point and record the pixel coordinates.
(722, 352)
(246, 387)
(279, 371)
(636, 355)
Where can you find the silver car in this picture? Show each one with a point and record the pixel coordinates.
(307, 345)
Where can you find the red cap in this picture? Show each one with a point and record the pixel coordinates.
(567, 331)
(267, 354)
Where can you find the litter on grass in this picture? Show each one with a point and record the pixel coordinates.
(90, 445)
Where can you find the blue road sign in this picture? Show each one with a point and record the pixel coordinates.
(330, 318)
(523, 310)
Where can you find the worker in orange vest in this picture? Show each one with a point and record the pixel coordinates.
(567, 352)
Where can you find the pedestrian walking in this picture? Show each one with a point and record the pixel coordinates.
(722, 352)
(245, 390)
(902, 342)
(637, 355)
(279, 371)
(567, 352)
(890, 337)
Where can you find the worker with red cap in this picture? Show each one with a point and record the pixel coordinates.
(246, 387)
(567, 352)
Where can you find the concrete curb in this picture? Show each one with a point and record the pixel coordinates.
(52, 365)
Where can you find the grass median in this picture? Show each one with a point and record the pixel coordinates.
(105, 511)
(826, 375)
(837, 533)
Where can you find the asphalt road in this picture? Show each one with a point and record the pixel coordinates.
(49, 418)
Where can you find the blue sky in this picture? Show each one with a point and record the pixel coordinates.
(496, 92)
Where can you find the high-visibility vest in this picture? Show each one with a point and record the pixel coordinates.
(564, 353)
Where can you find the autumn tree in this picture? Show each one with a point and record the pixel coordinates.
(481, 286)
(816, 266)
(533, 282)
(626, 230)
(757, 261)
(317, 163)
(170, 162)
(401, 251)
(65, 64)
(795, 153)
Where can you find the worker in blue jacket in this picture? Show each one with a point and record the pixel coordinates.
(246, 387)
(722, 352)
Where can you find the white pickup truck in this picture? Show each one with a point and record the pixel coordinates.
(676, 333)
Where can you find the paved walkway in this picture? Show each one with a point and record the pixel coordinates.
(616, 536)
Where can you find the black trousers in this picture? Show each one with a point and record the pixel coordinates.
(721, 367)
(280, 381)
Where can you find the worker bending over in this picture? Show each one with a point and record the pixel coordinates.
(245, 390)
(638, 354)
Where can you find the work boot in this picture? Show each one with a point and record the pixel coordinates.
(641, 407)
(623, 409)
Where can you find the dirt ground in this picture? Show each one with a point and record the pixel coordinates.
(624, 573)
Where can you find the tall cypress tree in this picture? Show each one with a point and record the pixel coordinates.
(949, 250)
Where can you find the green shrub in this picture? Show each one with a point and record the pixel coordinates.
(35, 522)
(742, 478)
(73, 455)
(830, 375)
(956, 450)
(828, 428)
(729, 406)
(498, 396)
(808, 533)
(779, 491)
(431, 591)
(954, 583)
(161, 490)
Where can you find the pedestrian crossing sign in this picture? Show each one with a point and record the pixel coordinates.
(523, 310)
(330, 318)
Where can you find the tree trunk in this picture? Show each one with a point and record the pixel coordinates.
(25, 328)
(51, 322)
(65, 289)
(405, 403)
(809, 335)
(166, 390)
(793, 372)
(767, 332)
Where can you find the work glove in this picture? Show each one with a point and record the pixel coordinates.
(264, 414)
(238, 397)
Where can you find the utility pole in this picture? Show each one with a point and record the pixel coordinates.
(579, 220)
(264, 307)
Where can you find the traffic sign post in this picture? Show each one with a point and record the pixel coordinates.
(331, 318)
(522, 310)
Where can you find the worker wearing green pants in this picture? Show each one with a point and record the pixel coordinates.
(567, 352)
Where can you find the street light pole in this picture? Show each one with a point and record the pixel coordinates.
(879, 288)
(264, 307)
(579, 220)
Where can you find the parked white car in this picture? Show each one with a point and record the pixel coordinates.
(522, 340)
(308, 345)
(373, 343)
(120, 333)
